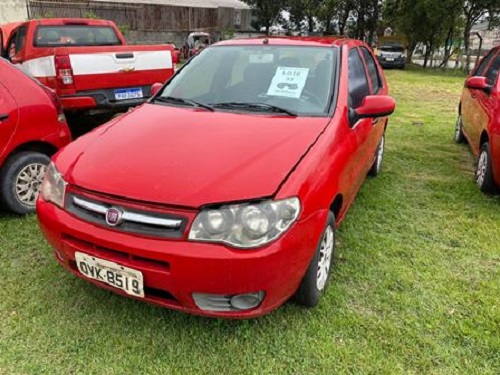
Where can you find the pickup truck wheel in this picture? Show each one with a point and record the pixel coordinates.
(484, 173)
(316, 279)
(459, 131)
(21, 180)
(379, 157)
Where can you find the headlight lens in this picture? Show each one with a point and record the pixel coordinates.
(53, 186)
(247, 225)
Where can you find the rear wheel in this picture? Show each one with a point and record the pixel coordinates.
(484, 172)
(379, 157)
(21, 180)
(459, 131)
(316, 279)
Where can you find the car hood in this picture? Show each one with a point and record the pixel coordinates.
(189, 157)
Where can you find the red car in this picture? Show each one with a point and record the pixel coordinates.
(32, 129)
(479, 120)
(221, 195)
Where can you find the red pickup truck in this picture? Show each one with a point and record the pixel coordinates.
(87, 62)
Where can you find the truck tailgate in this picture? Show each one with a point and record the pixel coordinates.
(107, 67)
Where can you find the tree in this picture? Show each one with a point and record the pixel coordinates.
(267, 11)
(305, 10)
(473, 12)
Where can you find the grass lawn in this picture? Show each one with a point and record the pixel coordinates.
(416, 288)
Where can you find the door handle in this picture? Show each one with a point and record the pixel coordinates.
(3, 117)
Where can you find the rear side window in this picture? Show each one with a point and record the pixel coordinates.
(492, 72)
(75, 35)
(358, 83)
(372, 70)
(481, 69)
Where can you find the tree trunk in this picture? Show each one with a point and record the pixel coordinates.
(467, 30)
(310, 22)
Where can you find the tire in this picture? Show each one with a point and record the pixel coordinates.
(379, 158)
(22, 167)
(315, 281)
(484, 172)
(459, 131)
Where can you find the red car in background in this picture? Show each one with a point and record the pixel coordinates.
(479, 120)
(32, 129)
(221, 195)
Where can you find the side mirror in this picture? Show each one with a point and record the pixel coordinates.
(478, 83)
(376, 106)
(155, 88)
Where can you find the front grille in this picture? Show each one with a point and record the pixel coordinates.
(125, 219)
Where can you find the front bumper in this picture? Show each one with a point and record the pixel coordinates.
(175, 269)
(395, 63)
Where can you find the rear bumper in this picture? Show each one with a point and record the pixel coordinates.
(101, 99)
(175, 269)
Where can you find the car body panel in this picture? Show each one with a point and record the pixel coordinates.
(33, 119)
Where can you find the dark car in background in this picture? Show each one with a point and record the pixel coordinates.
(391, 56)
(32, 129)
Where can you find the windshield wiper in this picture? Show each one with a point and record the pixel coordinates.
(173, 99)
(256, 106)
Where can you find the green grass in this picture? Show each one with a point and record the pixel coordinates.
(416, 288)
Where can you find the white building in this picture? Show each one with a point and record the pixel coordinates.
(13, 10)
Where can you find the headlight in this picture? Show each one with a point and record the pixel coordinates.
(246, 225)
(53, 186)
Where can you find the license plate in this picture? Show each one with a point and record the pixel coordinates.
(390, 59)
(124, 94)
(111, 273)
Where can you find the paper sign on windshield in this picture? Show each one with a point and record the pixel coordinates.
(288, 82)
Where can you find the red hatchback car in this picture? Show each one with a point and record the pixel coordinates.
(479, 120)
(32, 129)
(221, 195)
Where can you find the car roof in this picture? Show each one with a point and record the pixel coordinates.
(311, 41)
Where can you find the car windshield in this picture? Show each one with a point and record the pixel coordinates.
(75, 35)
(392, 49)
(289, 80)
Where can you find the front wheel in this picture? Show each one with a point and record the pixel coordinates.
(316, 279)
(21, 180)
(484, 172)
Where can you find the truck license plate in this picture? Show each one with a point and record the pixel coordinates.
(111, 273)
(124, 94)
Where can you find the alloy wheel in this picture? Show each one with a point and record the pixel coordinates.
(29, 182)
(325, 257)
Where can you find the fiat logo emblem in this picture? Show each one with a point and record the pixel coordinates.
(113, 217)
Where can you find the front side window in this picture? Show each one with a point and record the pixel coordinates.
(358, 83)
(17, 41)
(492, 72)
(259, 78)
(481, 68)
(75, 35)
